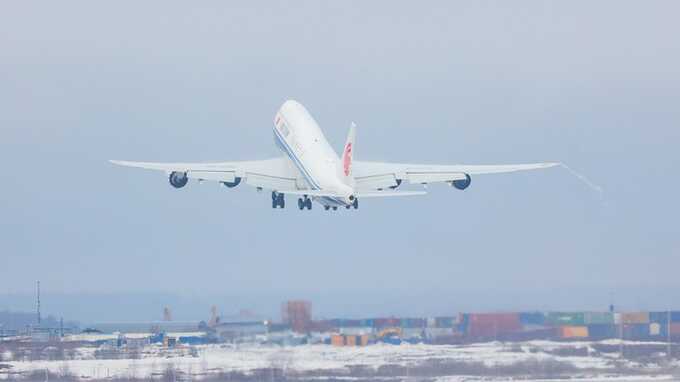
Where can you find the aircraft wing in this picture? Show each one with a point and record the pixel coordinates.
(380, 175)
(272, 174)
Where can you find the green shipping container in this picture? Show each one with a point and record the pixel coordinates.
(592, 318)
(566, 318)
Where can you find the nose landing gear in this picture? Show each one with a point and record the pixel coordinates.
(305, 203)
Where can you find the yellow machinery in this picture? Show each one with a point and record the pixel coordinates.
(388, 332)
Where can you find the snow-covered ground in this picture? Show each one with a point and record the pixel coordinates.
(209, 359)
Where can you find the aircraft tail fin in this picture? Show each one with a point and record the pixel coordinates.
(348, 154)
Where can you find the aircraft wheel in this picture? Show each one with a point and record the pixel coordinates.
(308, 203)
(348, 206)
(356, 204)
(326, 208)
(335, 208)
(301, 204)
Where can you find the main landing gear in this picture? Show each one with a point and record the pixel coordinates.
(278, 200)
(305, 203)
(354, 204)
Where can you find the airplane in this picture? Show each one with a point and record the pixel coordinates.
(313, 171)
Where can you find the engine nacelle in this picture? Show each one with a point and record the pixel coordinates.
(178, 179)
(462, 184)
(233, 184)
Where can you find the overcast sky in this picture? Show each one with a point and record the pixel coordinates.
(595, 85)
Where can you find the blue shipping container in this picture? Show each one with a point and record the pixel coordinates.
(532, 318)
(675, 316)
(636, 332)
(603, 331)
(660, 317)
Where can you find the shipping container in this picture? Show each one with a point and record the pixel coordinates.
(337, 340)
(490, 325)
(362, 340)
(461, 328)
(675, 329)
(386, 322)
(675, 317)
(412, 323)
(635, 318)
(636, 331)
(565, 318)
(573, 332)
(322, 326)
(532, 318)
(659, 317)
(592, 318)
(602, 331)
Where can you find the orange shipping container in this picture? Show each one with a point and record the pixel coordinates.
(351, 340)
(362, 340)
(635, 318)
(337, 340)
(574, 332)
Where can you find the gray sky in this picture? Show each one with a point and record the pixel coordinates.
(593, 84)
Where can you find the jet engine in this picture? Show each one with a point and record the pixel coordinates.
(462, 184)
(233, 184)
(178, 179)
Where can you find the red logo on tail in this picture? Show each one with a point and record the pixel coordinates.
(347, 159)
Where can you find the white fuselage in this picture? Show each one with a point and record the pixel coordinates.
(298, 135)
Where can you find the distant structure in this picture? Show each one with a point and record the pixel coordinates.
(167, 314)
(214, 317)
(297, 314)
(38, 303)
